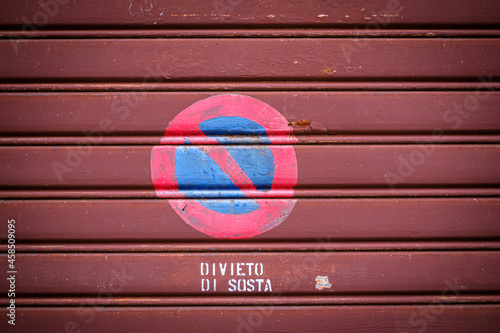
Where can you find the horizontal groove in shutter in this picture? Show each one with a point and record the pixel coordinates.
(350, 182)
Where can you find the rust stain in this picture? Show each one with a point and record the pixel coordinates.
(329, 70)
(302, 123)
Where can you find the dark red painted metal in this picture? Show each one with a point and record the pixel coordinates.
(288, 273)
(343, 166)
(95, 60)
(363, 115)
(252, 33)
(447, 298)
(322, 224)
(320, 245)
(302, 139)
(254, 13)
(292, 318)
(482, 83)
(373, 81)
(410, 192)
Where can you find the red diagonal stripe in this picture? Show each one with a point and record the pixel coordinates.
(230, 167)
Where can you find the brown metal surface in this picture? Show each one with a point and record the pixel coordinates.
(80, 140)
(256, 32)
(244, 319)
(175, 13)
(446, 298)
(342, 166)
(326, 223)
(143, 274)
(393, 106)
(412, 192)
(482, 84)
(248, 59)
(338, 114)
(322, 244)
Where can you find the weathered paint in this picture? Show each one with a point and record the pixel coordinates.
(227, 171)
(323, 170)
(453, 318)
(290, 273)
(235, 14)
(238, 59)
(229, 115)
(381, 117)
(359, 223)
(218, 219)
(394, 100)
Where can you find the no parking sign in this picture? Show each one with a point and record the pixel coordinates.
(221, 186)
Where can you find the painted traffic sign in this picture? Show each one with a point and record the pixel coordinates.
(222, 187)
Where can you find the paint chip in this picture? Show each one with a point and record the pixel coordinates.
(322, 283)
(322, 15)
(301, 123)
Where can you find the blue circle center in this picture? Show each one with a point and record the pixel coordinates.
(199, 176)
